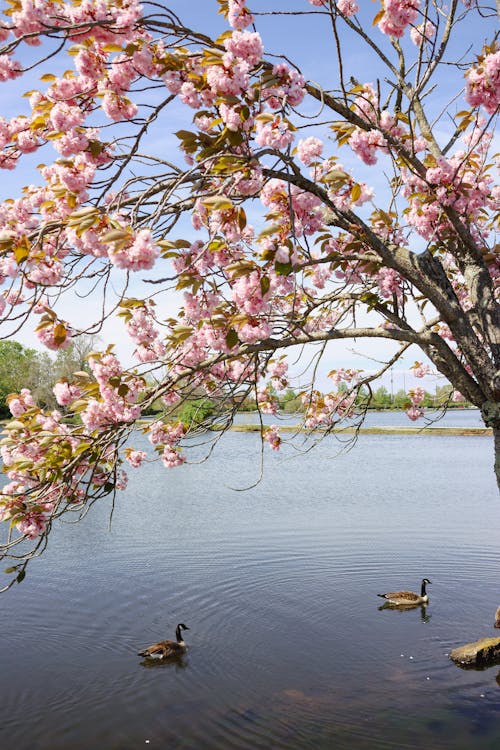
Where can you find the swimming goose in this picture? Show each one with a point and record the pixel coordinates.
(408, 597)
(167, 649)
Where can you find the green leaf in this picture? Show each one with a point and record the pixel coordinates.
(283, 269)
(21, 576)
(232, 338)
(355, 192)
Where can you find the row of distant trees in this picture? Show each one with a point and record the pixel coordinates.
(381, 398)
(22, 367)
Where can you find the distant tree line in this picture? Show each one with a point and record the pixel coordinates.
(22, 367)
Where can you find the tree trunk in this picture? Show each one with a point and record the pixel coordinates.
(496, 436)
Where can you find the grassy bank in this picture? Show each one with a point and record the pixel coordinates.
(462, 431)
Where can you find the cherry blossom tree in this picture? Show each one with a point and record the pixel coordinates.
(119, 225)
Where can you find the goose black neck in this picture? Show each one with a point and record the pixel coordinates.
(178, 633)
(422, 590)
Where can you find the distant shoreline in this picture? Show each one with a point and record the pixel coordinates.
(460, 431)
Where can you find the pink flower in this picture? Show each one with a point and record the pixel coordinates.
(272, 437)
(63, 116)
(239, 16)
(347, 7)
(140, 255)
(414, 413)
(32, 525)
(246, 45)
(21, 403)
(135, 458)
(397, 15)
(118, 107)
(309, 149)
(55, 337)
(171, 458)
(366, 143)
(422, 33)
(416, 395)
(483, 83)
(65, 393)
(420, 369)
(9, 68)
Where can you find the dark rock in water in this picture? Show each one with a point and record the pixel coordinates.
(497, 618)
(481, 653)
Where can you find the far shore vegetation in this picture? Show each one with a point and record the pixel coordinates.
(22, 367)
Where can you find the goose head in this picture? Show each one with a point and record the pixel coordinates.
(178, 631)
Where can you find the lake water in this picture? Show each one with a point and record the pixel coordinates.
(278, 584)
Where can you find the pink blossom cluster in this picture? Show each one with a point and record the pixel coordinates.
(309, 149)
(420, 369)
(398, 14)
(167, 437)
(66, 393)
(246, 45)
(324, 410)
(307, 215)
(423, 33)
(105, 20)
(266, 401)
(289, 88)
(389, 283)
(9, 68)
(239, 16)
(135, 458)
(453, 181)
(278, 370)
(414, 413)
(140, 255)
(112, 409)
(276, 133)
(344, 375)
(348, 8)
(20, 403)
(272, 436)
(253, 330)
(248, 295)
(54, 336)
(230, 79)
(118, 394)
(142, 330)
(416, 397)
(483, 83)
(23, 500)
(366, 143)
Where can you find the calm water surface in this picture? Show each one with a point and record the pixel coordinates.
(278, 584)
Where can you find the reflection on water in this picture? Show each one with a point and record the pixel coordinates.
(288, 647)
(425, 616)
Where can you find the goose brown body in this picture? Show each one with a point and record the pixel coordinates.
(167, 649)
(408, 597)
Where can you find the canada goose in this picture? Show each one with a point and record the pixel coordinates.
(497, 618)
(167, 649)
(408, 597)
